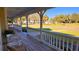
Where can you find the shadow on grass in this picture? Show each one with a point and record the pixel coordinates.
(47, 29)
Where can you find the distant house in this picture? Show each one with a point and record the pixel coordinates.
(35, 19)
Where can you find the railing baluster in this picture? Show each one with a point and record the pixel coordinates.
(41, 36)
(59, 43)
(51, 40)
(77, 46)
(45, 36)
(56, 41)
(67, 45)
(63, 42)
(72, 45)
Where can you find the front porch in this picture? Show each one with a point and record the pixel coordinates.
(51, 41)
(32, 39)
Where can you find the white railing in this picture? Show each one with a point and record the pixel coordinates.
(59, 41)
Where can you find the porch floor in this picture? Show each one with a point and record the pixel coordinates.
(32, 44)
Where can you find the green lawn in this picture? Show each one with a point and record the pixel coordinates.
(72, 29)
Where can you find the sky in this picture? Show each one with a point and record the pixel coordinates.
(61, 10)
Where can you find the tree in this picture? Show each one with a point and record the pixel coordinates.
(75, 18)
(59, 18)
(45, 18)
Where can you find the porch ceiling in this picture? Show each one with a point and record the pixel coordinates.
(15, 11)
(19, 11)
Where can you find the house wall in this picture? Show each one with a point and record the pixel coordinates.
(3, 24)
(0, 38)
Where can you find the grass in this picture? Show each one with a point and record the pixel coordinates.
(74, 33)
(72, 29)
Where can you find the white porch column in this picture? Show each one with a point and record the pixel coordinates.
(41, 13)
(21, 23)
(27, 22)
